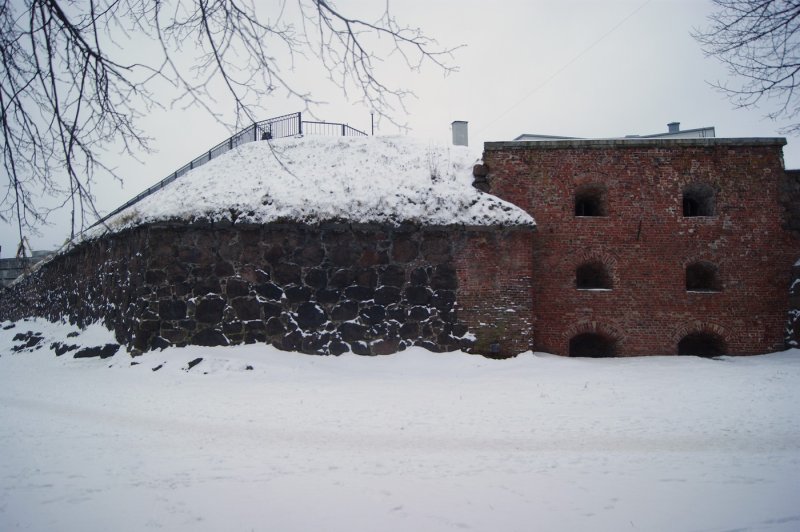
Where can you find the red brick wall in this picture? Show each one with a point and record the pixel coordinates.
(646, 242)
(494, 295)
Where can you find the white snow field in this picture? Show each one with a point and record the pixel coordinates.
(314, 179)
(416, 441)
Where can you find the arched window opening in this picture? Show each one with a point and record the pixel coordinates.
(592, 275)
(702, 344)
(592, 345)
(590, 201)
(702, 277)
(698, 200)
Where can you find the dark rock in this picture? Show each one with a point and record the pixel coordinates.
(337, 347)
(359, 293)
(193, 363)
(158, 367)
(286, 273)
(155, 277)
(385, 346)
(404, 249)
(313, 344)
(393, 275)
(247, 308)
(270, 291)
(360, 348)
(209, 338)
(343, 255)
(443, 299)
(352, 332)
(248, 368)
(105, 351)
(232, 327)
(296, 294)
(328, 296)
(73, 334)
(275, 327)
(342, 278)
(271, 310)
(396, 312)
(418, 295)
(172, 309)
(409, 331)
(316, 278)
(419, 313)
(419, 277)
(373, 314)
(344, 311)
(367, 277)
(237, 288)
(311, 254)
(60, 348)
(310, 316)
(224, 269)
(255, 326)
(444, 278)
(460, 329)
(209, 310)
(386, 295)
(157, 342)
(206, 285)
(12, 325)
(292, 341)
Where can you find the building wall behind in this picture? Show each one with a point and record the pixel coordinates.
(646, 243)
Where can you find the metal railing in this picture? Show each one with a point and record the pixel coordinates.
(273, 128)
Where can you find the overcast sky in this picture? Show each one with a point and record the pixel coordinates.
(592, 68)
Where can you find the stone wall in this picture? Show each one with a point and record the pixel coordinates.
(326, 290)
(645, 243)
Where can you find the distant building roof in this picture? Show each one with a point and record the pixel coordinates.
(673, 131)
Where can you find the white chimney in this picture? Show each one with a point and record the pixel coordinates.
(460, 136)
(674, 127)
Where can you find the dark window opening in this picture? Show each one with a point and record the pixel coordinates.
(698, 200)
(592, 345)
(592, 275)
(702, 277)
(701, 345)
(590, 202)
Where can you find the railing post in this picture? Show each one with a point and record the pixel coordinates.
(299, 123)
(255, 131)
(343, 133)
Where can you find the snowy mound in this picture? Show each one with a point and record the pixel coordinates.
(315, 179)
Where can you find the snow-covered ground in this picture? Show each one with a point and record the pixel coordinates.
(413, 441)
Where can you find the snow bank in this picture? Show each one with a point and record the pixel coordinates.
(314, 179)
(415, 441)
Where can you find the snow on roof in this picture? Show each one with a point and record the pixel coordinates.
(316, 179)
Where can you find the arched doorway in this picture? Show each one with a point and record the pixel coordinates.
(592, 345)
(702, 344)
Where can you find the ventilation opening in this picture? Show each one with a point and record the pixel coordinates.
(701, 345)
(590, 201)
(592, 345)
(698, 200)
(592, 275)
(702, 277)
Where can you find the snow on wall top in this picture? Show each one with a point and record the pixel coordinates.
(315, 179)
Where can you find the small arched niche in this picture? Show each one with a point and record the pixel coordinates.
(698, 200)
(592, 345)
(702, 276)
(592, 276)
(590, 200)
(702, 344)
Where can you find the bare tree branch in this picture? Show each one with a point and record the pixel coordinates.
(70, 90)
(758, 41)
